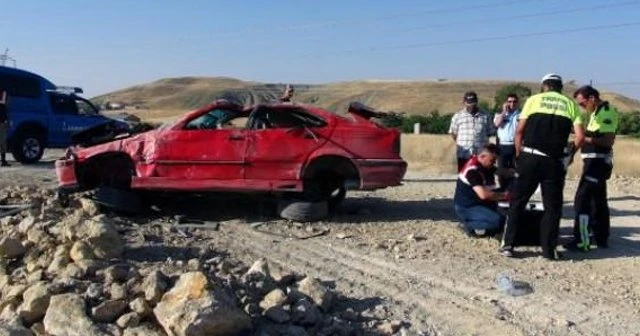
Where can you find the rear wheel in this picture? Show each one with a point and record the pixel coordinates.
(28, 147)
(330, 189)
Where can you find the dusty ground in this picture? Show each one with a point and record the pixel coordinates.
(398, 254)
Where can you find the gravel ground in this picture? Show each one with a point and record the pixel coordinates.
(402, 265)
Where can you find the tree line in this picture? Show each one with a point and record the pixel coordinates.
(436, 123)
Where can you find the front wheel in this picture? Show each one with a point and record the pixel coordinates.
(28, 148)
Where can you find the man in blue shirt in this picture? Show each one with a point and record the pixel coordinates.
(506, 123)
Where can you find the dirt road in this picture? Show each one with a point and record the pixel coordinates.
(400, 253)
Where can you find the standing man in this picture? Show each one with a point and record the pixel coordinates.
(543, 131)
(4, 126)
(287, 95)
(592, 208)
(470, 129)
(506, 123)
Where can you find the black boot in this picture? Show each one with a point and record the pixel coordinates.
(3, 160)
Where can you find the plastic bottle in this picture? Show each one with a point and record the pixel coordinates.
(511, 287)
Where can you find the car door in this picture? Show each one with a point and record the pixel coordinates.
(204, 149)
(65, 119)
(280, 140)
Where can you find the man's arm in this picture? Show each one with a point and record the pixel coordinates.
(3, 97)
(488, 195)
(453, 127)
(519, 134)
(499, 119)
(604, 141)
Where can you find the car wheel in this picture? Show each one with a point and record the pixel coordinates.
(302, 211)
(28, 148)
(331, 190)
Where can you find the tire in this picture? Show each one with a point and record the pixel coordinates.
(302, 211)
(331, 190)
(28, 147)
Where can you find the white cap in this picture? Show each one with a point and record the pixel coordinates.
(551, 76)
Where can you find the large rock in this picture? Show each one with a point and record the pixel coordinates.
(70, 321)
(108, 311)
(154, 285)
(35, 301)
(80, 250)
(312, 288)
(26, 223)
(103, 238)
(191, 308)
(89, 207)
(11, 248)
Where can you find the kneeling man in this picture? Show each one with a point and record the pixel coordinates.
(475, 200)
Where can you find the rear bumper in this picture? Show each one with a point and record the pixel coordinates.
(381, 173)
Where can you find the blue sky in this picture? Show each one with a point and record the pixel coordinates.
(109, 45)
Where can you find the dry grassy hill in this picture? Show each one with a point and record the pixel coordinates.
(174, 96)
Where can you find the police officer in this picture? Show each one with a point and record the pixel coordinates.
(592, 209)
(542, 134)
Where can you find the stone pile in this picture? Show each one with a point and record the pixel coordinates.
(73, 271)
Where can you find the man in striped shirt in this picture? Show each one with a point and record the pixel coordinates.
(470, 129)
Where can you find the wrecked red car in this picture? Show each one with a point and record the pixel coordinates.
(279, 148)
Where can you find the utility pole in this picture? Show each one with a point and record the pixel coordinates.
(5, 57)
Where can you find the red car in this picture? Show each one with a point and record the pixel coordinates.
(280, 148)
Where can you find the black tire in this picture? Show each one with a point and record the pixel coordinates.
(302, 211)
(28, 147)
(331, 190)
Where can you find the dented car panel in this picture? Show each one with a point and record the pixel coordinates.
(227, 147)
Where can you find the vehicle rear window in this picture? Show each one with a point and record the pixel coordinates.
(20, 86)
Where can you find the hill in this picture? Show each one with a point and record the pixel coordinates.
(174, 96)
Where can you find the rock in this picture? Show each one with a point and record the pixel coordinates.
(73, 271)
(141, 307)
(275, 298)
(103, 238)
(295, 331)
(35, 276)
(320, 295)
(342, 235)
(154, 286)
(143, 330)
(13, 327)
(11, 248)
(35, 301)
(38, 329)
(58, 264)
(26, 224)
(194, 265)
(277, 314)
(108, 311)
(190, 308)
(81, 251)
(117, 291)
(116, 273)
(70, 321)
(390, 327)
(94, 291)
(128, 320)
(90, 266)
(89, 207)
(37, 236)
(306, 313)
(260, 268)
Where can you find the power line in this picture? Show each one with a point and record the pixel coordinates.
(368, 21)
(523, 16)
(483, 39)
